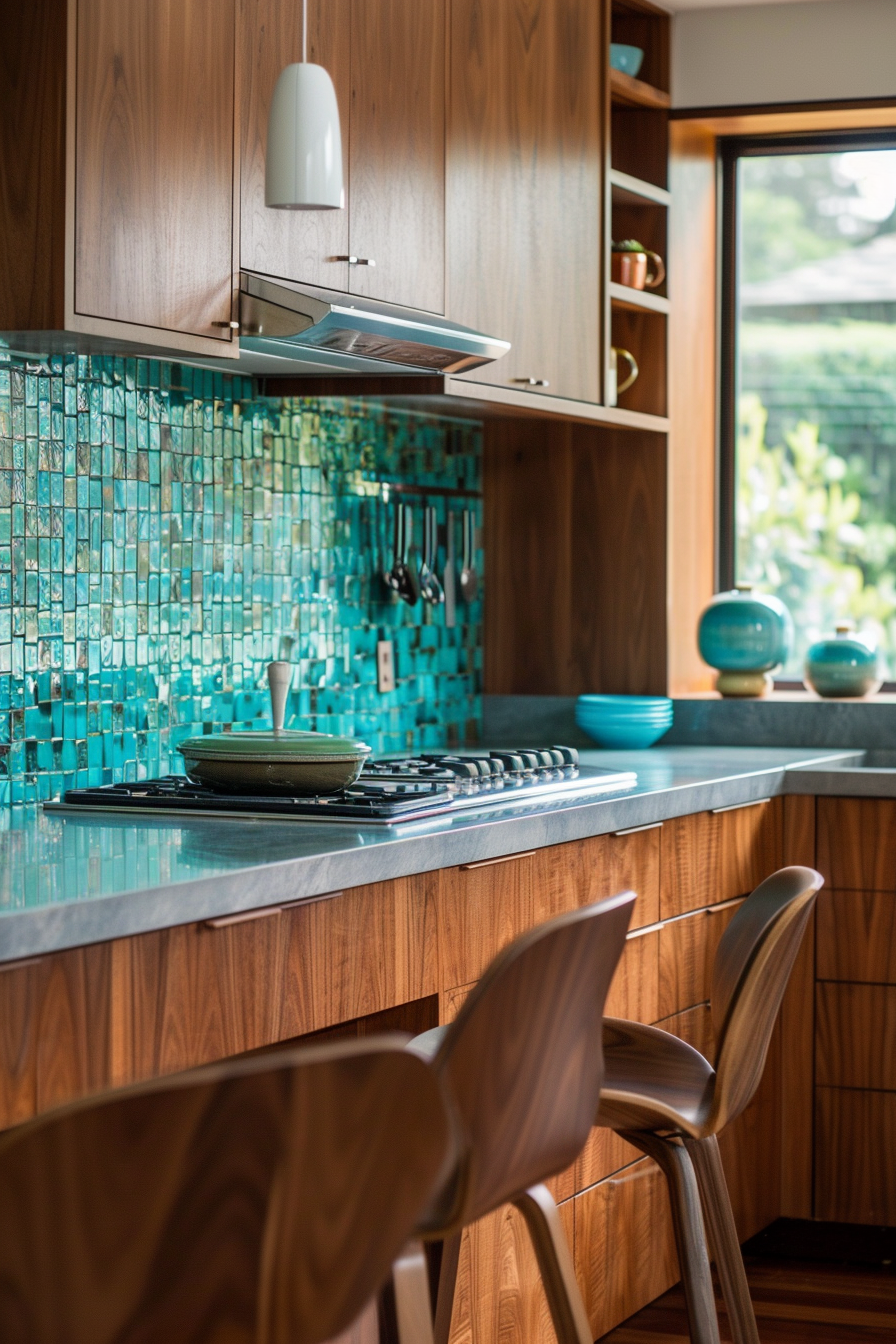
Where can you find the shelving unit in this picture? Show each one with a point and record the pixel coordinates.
(638, 199)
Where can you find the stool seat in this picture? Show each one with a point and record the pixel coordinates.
(653, 1081)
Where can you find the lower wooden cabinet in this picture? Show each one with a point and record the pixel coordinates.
(714, 856)
(624, 1244)
(855, 1156)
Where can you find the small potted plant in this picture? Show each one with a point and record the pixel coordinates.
(633, 265)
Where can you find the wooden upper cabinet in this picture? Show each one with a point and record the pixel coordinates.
(525, 169)
(297, 245)
(397, 197)
(117, 125)
(387, 61)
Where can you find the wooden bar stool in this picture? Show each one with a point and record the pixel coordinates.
(258, 1202)
(667, 1100)
(520, 1066)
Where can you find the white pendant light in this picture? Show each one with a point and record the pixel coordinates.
(303, 168)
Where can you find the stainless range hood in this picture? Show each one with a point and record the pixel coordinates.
(343, 333)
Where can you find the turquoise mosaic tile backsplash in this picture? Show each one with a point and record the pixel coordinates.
(163, 536)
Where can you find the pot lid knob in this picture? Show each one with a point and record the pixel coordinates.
(279, 678)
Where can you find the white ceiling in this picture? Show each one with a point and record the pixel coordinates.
(676, 6)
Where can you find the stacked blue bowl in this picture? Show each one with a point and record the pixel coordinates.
(625, 722)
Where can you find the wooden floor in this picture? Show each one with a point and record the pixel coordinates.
(794, 1301)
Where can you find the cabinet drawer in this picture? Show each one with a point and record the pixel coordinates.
(855, 1036)
(857, 843)
(714, 856)
(855, 1157)
(624, 1245)
(634, 990)
(856, 936)
(687, 950)
(629, 860)
(483, 908)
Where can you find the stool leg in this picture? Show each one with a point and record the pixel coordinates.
(410, 1281)
(723, 1237)
(555, 1264)
(447, 1281)
(690, 1235)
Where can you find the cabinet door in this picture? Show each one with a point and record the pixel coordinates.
(397, 205)
(297, 245)
(154, 183)
(524, 187)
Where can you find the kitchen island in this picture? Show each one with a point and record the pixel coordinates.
(130, 949)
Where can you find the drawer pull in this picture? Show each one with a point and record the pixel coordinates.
(645, 928)
(21, 965)
(636, 830)
(355, 261)
(738, 807)
(488, 863)
(244, 917)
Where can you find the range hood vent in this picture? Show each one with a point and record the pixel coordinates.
(283, 319)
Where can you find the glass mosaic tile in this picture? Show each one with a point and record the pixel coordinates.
(163, 537)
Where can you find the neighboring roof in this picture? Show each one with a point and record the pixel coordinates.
(865, 274)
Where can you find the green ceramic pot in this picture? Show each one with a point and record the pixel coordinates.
(745, 635)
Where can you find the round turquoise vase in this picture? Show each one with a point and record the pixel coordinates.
(744, 635)
(842, 666)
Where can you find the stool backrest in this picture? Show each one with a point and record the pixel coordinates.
(523, 1062)
(259, 1202)
(750, 974)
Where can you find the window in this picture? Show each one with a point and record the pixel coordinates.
(809, 382)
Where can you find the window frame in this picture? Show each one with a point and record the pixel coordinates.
(731, 149)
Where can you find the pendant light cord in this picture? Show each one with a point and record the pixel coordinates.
(305, 31)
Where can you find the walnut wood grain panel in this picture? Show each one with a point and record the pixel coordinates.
(480, 910)
(499, 1295)
(397, 151)
(856, 936)
(797, 1032)
(692, 399)
(32, 150)
(54, 1030)
(525, 151)
(604, 1154)
(575, 530)
(295, 244)
(360, 952)
(855, 1157)
(618, 592)
(630, 1210)
(191, 995)
(857, 843)
(634, 991)
(686, 953)
(645, 336)
(583, 871)
(154, 194)
(713, 857)
(855, 1035)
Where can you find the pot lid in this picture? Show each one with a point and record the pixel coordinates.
(285, 745)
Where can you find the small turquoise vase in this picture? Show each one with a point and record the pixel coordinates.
(745, 635)
(842, 666)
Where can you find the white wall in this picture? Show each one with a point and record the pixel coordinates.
(787, 53)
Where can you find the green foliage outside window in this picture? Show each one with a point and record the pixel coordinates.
(804, 532)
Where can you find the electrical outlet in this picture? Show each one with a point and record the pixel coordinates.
(385, 666)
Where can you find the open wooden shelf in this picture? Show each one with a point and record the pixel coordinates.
(635, 93)
(628, 190)
(637, 300)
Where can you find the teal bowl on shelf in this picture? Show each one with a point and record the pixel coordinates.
(626, 59)
(842, 666)
(624, 722)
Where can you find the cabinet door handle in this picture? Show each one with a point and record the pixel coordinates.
(356, 261)
(636, 830)
(230, 326)
(488, 863)
(244, 917)
(532, 382)
(738, 807)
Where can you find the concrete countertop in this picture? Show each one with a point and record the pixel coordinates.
(69, 880)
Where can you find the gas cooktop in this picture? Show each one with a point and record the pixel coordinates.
(387, 793)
